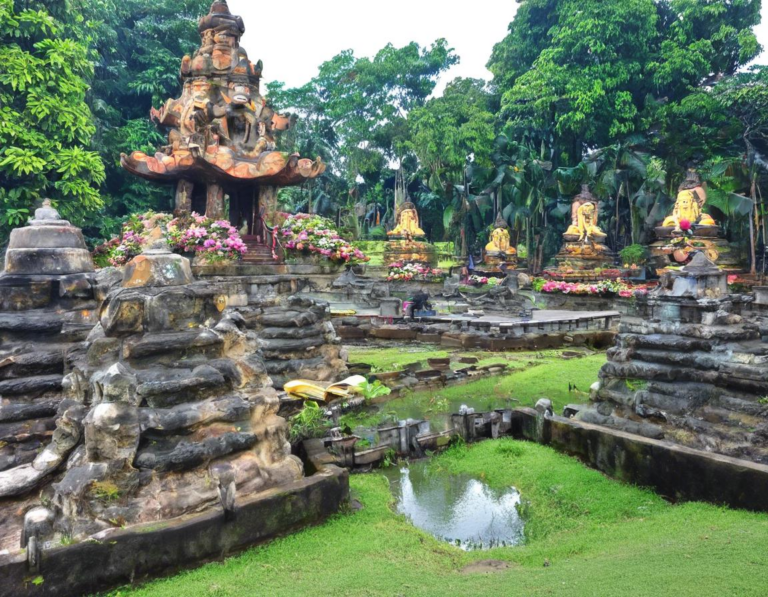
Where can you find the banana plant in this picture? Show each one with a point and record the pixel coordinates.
(620, 173)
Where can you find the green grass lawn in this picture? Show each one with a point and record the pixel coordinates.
(586, 535)
(532, 375)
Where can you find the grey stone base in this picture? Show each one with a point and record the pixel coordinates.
(59, 262)
(159, 549)
(675, 472)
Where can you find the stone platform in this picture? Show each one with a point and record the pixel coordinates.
(410, 251)
(718, 250)
(547, 329)
(580, 257)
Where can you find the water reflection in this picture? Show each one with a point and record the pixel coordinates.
(457, 509)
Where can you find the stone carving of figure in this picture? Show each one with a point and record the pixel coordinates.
(46, 213)
(586, 224)
(688, 207)
(407, 222)
(500, 241)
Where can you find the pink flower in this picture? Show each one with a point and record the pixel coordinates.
(685, 225)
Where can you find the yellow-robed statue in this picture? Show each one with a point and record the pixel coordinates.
(500, 245)
(585, 224)
(688, 207)
(407, 222)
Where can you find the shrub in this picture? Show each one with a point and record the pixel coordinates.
(213, 240)
(633, 255)
(310, 234)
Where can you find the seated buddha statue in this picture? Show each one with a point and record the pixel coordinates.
(687, 207)
(407, 222)
(585, 226)
(46, 213)
(500, 245)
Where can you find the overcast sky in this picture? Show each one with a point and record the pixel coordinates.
(294, 38)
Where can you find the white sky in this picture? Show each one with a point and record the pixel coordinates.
(294, 38)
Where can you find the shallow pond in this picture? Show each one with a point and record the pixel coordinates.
(457, 509)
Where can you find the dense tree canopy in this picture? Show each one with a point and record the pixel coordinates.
(622, 94)
(45, 124)
(589, 71)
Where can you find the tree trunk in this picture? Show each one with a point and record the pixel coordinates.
(752, 213)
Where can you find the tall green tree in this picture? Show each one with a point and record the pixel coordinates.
(449, 128)
(359, 106)
(137, 55)
(45, 123)
(599, 71)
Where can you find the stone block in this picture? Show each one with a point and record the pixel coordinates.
(76, 286)
(429, 338)
(54, 262)
(389, 333)
(21, 293)
(155, 268)
(347, 332)
(124, 315)
(112, 433)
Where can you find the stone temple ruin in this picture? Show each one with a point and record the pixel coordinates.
(144, 396)
(692, 369)
(140, 397)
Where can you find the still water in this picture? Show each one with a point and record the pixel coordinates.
(457, 509)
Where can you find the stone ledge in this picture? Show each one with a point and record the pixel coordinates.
(674, 471)
(159, 549)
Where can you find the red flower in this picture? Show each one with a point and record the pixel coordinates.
(685, 225)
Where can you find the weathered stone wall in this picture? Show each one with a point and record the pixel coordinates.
(134, 555)
(44, 323)
(676, 472)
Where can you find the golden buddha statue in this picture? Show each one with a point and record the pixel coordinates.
(584, 214)
(500, 245)
(407, 222)
(585, 227)
(688, 207)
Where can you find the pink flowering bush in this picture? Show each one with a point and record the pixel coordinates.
(406, 272)
(305, 234)
(120, 250)
(214, 241)
(602, 288)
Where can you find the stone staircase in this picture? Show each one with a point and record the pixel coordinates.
(257, 254)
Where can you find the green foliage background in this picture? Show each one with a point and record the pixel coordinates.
(624, 95)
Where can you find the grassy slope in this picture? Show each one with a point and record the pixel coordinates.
(535, 375)
(600, 538)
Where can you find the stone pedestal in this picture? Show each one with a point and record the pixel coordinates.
(410, 251)
(706, 239)
(47, 247)
(495, 265)
(579, 258)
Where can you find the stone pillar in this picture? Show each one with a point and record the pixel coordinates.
(214, 203)
(184, 196)
(268, 203)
